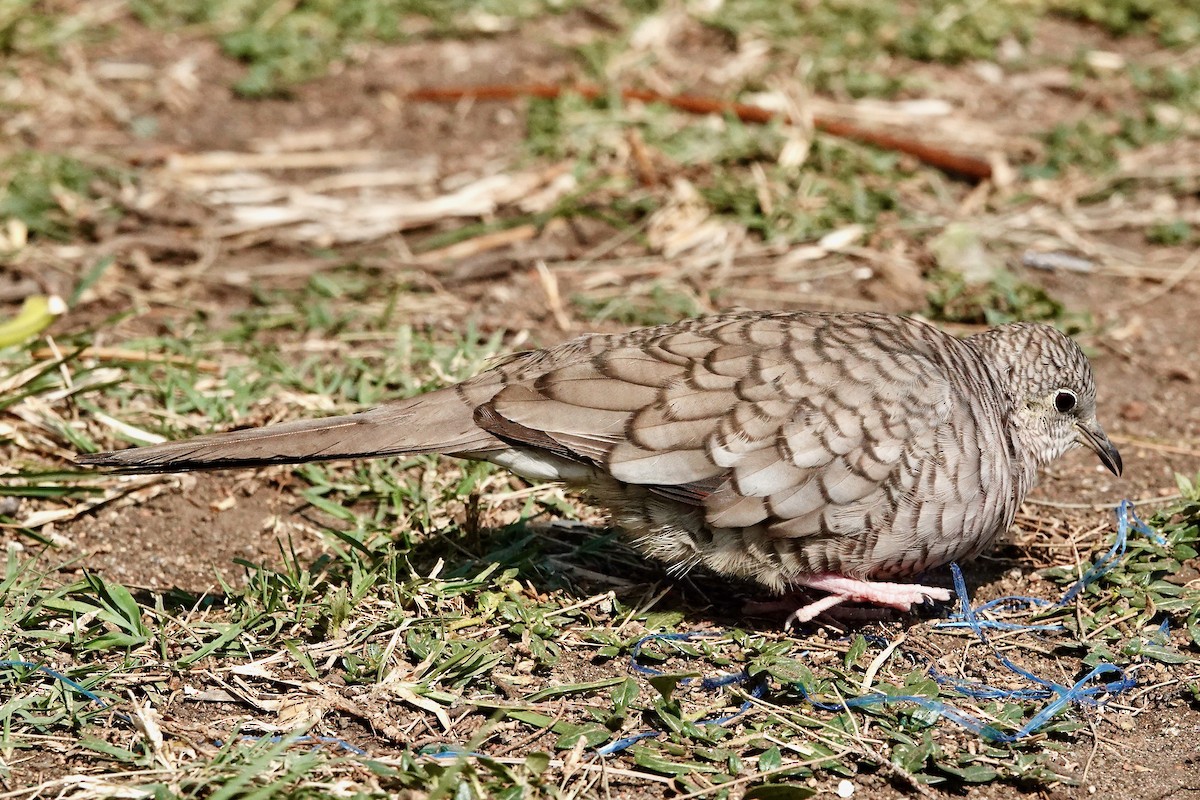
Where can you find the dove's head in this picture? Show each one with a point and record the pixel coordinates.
(1053, 390)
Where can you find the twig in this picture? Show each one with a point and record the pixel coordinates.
(533, 737)
(375, 722)
(553, 298)
(765, 774)
(1106, 506)
(473, 247)
(953, 163)
(1087, 768)
(1167, 286)
(132, 356)
(1162, 448)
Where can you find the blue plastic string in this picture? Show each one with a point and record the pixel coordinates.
(451, 751)
(756, 693)
(58, 676)
(612, 748)
(1006, 603)
(1108, 561)
(707, 684)
(1127, 519)
(1079, 692)
(710, 683)
(966, 613)
(1063, 695)
(982, 691)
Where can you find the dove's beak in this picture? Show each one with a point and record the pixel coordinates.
(1093, 437)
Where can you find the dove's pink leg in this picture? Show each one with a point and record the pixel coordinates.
(901, 596)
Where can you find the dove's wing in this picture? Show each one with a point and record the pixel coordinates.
(799, 422)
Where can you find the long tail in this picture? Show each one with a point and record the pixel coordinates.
(438, 422)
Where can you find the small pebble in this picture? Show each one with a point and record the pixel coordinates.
(1180, 374)
(845, 788)
(1105, 60)
(1134, 410)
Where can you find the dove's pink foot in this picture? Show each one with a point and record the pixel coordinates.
(901, 596)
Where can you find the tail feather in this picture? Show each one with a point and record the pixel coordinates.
(438, 422)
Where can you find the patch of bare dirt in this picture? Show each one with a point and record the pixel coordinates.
(193, 531)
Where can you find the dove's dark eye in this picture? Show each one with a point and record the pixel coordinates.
(1064, 401)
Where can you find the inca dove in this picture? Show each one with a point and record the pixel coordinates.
(797, 449)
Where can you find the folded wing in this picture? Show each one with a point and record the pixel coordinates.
(796, 421)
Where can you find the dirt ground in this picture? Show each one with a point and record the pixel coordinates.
(1145, 349)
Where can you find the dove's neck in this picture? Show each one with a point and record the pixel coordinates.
(1004, 352)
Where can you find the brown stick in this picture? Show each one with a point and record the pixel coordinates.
(965, 166)
(132, 356)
